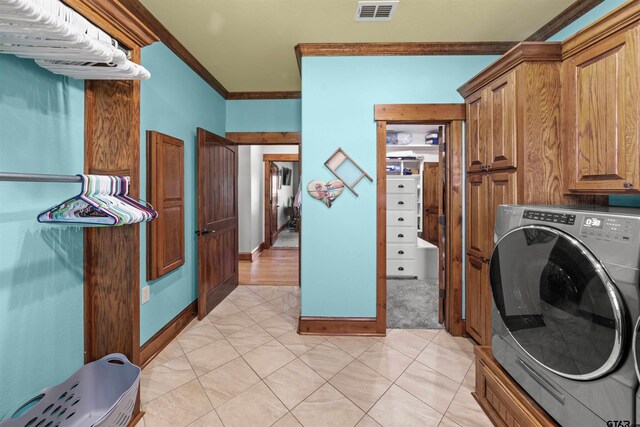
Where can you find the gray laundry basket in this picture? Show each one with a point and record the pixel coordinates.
(101, 393)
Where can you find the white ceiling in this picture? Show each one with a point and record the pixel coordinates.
(248, 44)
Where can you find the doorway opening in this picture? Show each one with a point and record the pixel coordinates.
(416, 186)
(281, 201)
(419, 221)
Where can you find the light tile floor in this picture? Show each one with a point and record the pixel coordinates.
(245, 365)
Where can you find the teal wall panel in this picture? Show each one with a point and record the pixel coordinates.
(175, 101)
(41, 266)
(269, 115)
(339, 251)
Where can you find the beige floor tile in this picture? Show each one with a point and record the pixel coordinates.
(465, 411)
(432, 388)
(425, 334)
(198, 336)
(279, 324)
(249, 338)
(170, 352)
(211, 356)
(386, 361)
(228, 381)
(245, 301)
(224, 309)
(327, 407)
(469, 380)
(453, 364)
(286, 302)
(209, 420)
(458, 344)
(294, 312)
(262, 312)
(268, 358)
(237, 322)
(266, 292)
(299, 344)
(140, 423)
(355, 346)
(447, 422)
(163, 378)
(255, 407)
(178, 408)
(397, 408)
(195, 323)
(405, 342)
(362, 385)
(294, 383)
(326, 359)
(367, 421)
(287, 421)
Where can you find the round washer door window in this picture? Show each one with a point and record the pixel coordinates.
(557, 302)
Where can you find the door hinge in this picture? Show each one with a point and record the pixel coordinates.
(442, 219)
(442, 293)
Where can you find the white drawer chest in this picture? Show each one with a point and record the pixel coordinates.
(402, 225)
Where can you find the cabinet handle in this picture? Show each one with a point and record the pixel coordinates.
(401, 219)
(400, 252)
(401, 202)
(627, 185)
(400, 268)
(401, 235)
(400, 186)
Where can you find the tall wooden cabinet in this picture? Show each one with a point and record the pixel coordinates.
(513, 156)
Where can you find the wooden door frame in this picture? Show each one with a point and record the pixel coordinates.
(267, 159)
(453, 116)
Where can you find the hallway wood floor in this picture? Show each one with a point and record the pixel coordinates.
(272, 267)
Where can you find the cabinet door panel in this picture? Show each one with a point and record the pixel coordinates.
(601, 114)
(502, 191)
(477, 215)
(476, 301)
(476, 132)
(502, 116)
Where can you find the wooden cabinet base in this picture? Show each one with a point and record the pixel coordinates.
(504, 402)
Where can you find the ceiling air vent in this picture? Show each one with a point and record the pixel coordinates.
(376, 10)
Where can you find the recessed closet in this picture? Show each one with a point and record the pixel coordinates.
(414, 194)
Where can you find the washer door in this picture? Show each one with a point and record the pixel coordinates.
(558, 302)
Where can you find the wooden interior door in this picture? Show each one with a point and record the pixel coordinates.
(441, 197)
(273, 203)
(217, 220)
(430, 183)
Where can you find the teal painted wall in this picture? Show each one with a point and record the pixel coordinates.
(174, 101)
(339, 253)
(41, 266)
(281, 115)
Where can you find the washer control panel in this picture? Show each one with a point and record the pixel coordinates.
(606, 228)
(554, 217)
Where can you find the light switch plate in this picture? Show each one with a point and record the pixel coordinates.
(146, 294)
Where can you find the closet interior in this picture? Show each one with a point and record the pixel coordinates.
(414, 200)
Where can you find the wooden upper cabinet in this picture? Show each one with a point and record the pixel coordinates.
(477, 225)
(502, 122)
(601, 114)
(165, 191)
(476, 132)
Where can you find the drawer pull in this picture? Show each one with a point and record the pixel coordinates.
(401, 219)
(401, 236)
(400, 186)
(401, 202)
(628, 185)
(400, 252)
(400, 268)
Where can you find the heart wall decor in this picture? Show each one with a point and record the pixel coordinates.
(325, 192)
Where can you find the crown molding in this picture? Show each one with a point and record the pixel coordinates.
(264, 95)
(566, 17)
